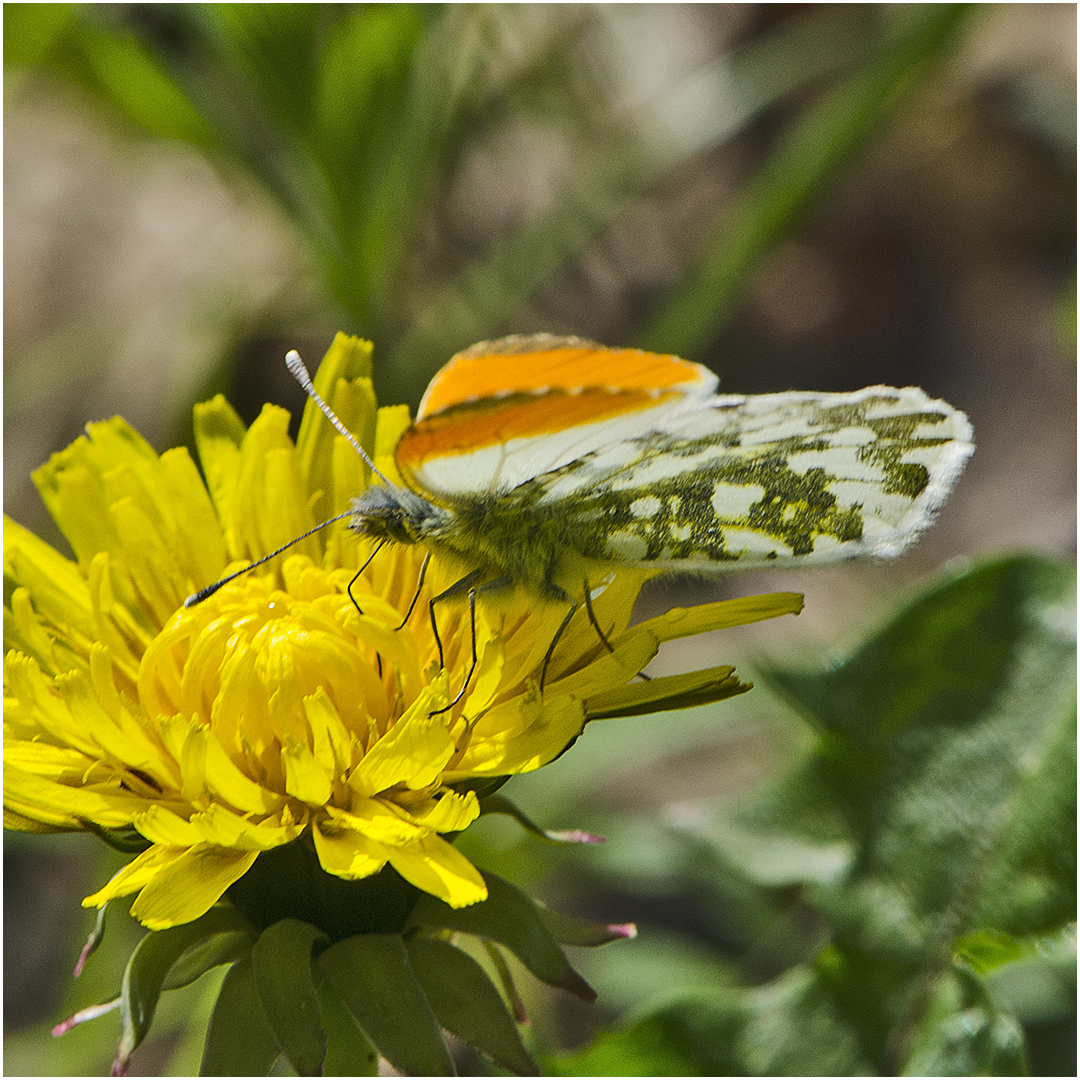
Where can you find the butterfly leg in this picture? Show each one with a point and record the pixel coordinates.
(416, 596)
(356, 578)
(592, 618)
(472, 666)
(359, 610)
(465, 584)
(600, 633)
(557, 593)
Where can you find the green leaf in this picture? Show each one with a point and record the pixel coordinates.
(32, 31)
(372, 975)
(810, 155)
(500, 804)
(693, 1037)
(348, 1052)
(281, 960)
(509, 917)
(138, 85)
(948, 742)
(975, 1042)
(148, 969)
(467, 1004)
(933, 829)
(239, 1041)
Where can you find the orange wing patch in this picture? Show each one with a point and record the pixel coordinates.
(488, 422)
(524, 364)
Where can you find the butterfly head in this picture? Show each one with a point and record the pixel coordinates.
(389, 512)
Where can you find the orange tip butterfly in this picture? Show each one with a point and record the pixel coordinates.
(529, 450)
(533, 455)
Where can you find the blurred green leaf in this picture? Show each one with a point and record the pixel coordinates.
(32, 31)
(693, 1037)
(972, 1043)
(623, 162)
(935, 823)
(983, 950)
(275, 47)
(963, 1033)
(349, 117)
(137, 84)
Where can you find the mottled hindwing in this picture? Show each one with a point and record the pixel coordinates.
(818, 477)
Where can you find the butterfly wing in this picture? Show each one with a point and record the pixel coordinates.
(630, 457)
(749, 481)
(504, 412)
(538, 363)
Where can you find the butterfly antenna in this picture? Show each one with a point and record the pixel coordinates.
(203, 594)
(300, 373)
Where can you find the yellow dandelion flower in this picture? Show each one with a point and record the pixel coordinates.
(278, 710)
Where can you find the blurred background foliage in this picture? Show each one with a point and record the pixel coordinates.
(801, 196)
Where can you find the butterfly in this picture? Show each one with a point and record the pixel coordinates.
(530, 448)
(532, 454)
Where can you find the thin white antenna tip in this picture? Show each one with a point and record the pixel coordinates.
(300, 374)
(297, 367)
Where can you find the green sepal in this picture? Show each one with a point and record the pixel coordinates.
(573, 931)
(92, 1012)
(148, 970)
(348, 1051)
(219, 949)
(281, 960)
(371, 972)
(126, 840)
(506, 979)
(239, 1040)
(500, 804)
(509, 917)
(467, 1004)
(483, 786)
(93, 942)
